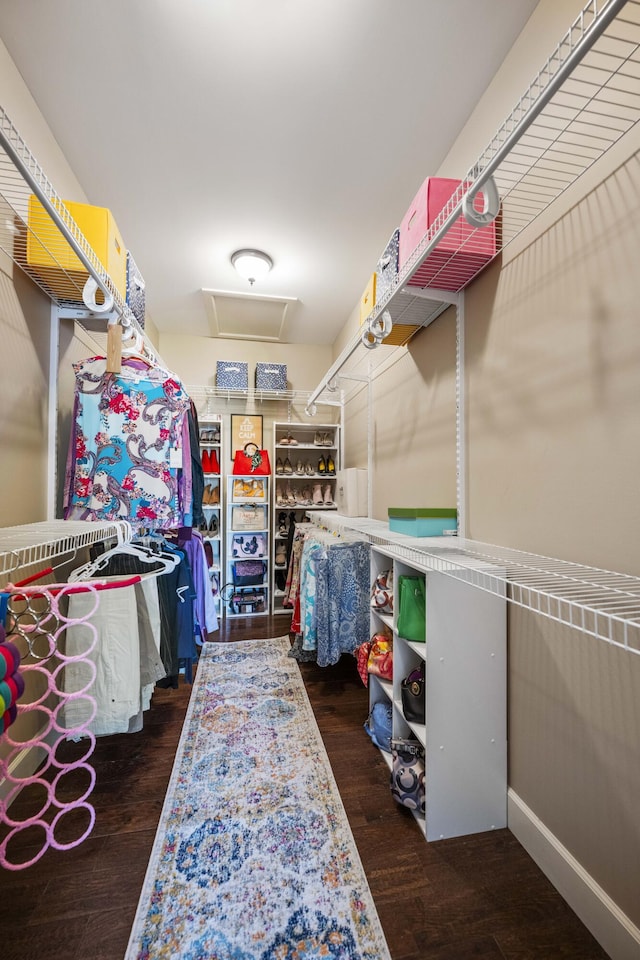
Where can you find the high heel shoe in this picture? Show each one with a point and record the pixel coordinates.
(317, 439)
(328, 440)
(326, 496)
(206, 493)
(291, 441)
(214, 466)
(308, 469)
(214, 495)
(279, 466)
(300, 468)
(331, 466)
(281, 497)
(206, 461)
(322, 466)
(317, 495)
(291, 499)
(280, 557)
(288, 469)
(214, 525)
(283, 528)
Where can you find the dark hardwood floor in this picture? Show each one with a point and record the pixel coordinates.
(472, 897)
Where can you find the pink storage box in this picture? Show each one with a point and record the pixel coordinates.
(463, 251)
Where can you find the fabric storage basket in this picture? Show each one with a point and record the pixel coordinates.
(232, 375)
(423, 521)
(271, 376)
(462, 252)
(135, 290)
(387, 267)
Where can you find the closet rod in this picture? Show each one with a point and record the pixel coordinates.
(556, 70)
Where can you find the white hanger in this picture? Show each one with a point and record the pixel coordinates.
(168, 561)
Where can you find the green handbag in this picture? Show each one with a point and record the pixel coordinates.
(412, 613)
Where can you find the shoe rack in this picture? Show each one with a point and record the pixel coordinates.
(305, 464)
(211, 455)
(247, 537)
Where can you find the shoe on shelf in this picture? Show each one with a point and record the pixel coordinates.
(291, 441)
(331, 466)
(279, 466)
(283, 527)
(283, 441)
(288, 469)
(307, 499)
(206, 493)
(328, 440)
(214, 466)
(308, 469)
(281, 497)
(322, 466)
(290, 495)
(214, 525)
(206, 461)
(326, 496)
(300, 468)
(317, 439)
(316, 496)
(214, 495)
(280, 557)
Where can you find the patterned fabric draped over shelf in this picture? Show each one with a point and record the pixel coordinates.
(126, 458)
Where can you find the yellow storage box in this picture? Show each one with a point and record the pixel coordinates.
(368, 299)
(52, 259)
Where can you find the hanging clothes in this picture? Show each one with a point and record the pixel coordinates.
(328, 587)
(126, 447)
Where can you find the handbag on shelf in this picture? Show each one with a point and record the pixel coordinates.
(412, 612)
(249, 546)
(248, 489)
(382, 592)
(248, 573)
(407, 774)
(380, 661)
(412, 693)
(248, 516)
(251, 461)
(378, 725)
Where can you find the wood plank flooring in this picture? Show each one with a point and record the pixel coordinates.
(478, 897)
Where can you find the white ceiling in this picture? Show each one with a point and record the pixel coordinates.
(301, 127)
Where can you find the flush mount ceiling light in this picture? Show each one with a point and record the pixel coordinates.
(251, 264)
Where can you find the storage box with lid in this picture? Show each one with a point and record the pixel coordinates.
(232, 375)
(271, 376)
(462, 252)
(351, 494)
(53, 260)
(423, 521)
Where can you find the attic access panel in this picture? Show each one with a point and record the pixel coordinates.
(247, 316)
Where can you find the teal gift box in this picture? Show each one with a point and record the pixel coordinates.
(422, 521)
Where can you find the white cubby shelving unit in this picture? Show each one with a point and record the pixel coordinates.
(243, 495)
(211, 446)
(464, 735)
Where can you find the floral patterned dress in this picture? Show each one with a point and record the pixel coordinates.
(126, 448)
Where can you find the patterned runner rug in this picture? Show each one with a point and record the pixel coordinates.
(253, 858)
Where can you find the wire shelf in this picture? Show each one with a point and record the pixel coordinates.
(39, 543)
(601, 603)
(583, 100)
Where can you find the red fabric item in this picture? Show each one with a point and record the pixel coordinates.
(362, 657)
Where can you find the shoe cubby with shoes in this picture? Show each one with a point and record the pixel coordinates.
(210, 432)
(306, 458)
(247, 585)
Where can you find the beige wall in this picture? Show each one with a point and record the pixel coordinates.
(552, 385)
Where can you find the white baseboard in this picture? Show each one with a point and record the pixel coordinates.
(613, 930)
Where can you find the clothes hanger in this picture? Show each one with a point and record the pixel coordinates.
(167, 561)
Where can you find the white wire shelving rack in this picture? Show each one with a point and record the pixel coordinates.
(582, 101)
(21, 176)
(600, 603)
(41, 543)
